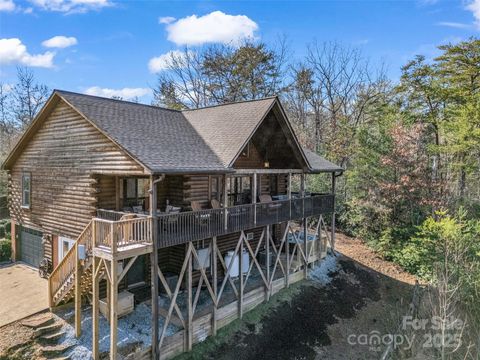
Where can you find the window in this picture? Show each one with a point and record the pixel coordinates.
(215, 187)
(135, 191)
(26, 190)
(64, 245)
(238, 189)
(273, 185)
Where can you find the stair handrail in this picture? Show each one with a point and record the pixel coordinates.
(67, 265)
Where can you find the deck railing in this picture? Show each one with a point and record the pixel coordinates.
(119, 234)
(175, 229)
(180, 228)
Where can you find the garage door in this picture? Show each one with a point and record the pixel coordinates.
(31, 248)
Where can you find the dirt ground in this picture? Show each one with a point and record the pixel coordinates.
(314, 321)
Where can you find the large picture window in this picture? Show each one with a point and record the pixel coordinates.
(26, 190)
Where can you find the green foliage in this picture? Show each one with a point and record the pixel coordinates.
(419, 155)
(8, 226)
(5, 250)
(363, 219)
(5, 229)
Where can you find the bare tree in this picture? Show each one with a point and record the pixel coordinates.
(221, 73)
(337, 85)
(182, 84)
(6, 121)
(28, 97)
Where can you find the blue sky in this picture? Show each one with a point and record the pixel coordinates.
(105, 46)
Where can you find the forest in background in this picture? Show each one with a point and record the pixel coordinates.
(410, 148)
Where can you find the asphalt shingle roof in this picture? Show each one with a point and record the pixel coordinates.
(163, 140)
(320, 164)
(225, 128)
(169, 141)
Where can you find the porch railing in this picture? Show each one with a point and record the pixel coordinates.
(175, 229)
(120, 234)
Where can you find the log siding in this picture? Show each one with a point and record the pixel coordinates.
(65, 157)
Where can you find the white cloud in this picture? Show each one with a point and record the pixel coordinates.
(454, 25)
(71, 6)
(7, 5)
(12, 51)
(166, 19)
(163, 61)
(126, 93)
(60, 42)
(474, 7)
(216, 27)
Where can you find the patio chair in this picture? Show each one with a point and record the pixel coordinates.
(265, 198)
(203, 218)
(216, 204)
(137, 209)
(169, 209)
(196, 206)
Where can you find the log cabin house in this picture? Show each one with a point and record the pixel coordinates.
(102, 189)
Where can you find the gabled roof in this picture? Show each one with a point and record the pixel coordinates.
(225, 128)
(162, 139)
(170, 141)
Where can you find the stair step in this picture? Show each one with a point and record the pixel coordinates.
(52, 337)
(38, 321)
(55, 349)
(48, 329)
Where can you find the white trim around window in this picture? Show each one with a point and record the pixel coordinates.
(26, 190)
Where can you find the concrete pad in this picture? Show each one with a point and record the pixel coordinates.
(22, 292)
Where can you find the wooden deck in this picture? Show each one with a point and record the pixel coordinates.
(181, 228)
(124, 252)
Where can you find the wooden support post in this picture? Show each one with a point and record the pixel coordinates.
(50, 295)
(267, 248)
(113, 240)
(304, 221)
(109, 294)
(240, 257)
(225, 201)
(287, 254)
(95, 307)
(189, 328)
(254, 198)
(287, 244)
(215, 285)
(154, 269)
(78, 295)
(113, 309)
(332, 237)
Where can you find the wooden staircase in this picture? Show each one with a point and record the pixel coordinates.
(61, 282)
(113, 240)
